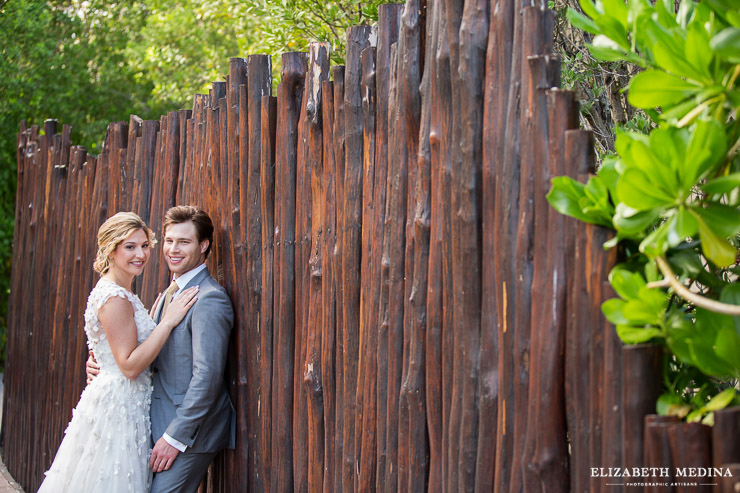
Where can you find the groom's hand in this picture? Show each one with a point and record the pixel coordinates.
(92, 368)
(163, 455)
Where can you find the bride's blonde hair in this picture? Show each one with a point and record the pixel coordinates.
(112, 232)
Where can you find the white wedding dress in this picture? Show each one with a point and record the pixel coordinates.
(107, 444)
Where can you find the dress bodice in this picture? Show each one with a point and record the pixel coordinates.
(97, 341)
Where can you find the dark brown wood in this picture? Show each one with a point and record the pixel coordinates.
(365, 424)
(691, 452)
(388, 23)
(389, 252)
(393, 266)
(640, 390)
(259, 85)
(730, 483)
(580, 326)
(432, 97)
(539, 73)
(312, 371)
(338, 132)
(332, 462)
(657, 452)
(501, 164)
(357, 40)
(236, 283)
(411, 443)
(290, 91)
(302, 281)
(725, 448)
(267, 332)
(466, 239)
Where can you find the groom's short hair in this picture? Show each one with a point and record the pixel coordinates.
(200, 218)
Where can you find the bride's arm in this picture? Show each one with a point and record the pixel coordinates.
(117, 318)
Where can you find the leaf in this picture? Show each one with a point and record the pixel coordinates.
(697, 50)
(598, 194)
(589, 8)
(727, 43)
(612, 310)
(694, 416)
(731, 294)
(609, 175)
(606, 50)
(705, 358)
(670, 404)
(632, 222)
(625, 283)
(581, 21)
(641, 192)
(727, 346)
(720, 252)
(721, 7)
(671, 58)
(706, 151)
(722, 185)
(686, 262)
(684, 226)
(723, 219)
(720, 401)
(564, 196)
(654, 88)
(700, 342)
(647, 309)
(616, 9)
(637, 335)
(655, 243)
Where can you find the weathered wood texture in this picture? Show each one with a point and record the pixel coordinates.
(411, 315)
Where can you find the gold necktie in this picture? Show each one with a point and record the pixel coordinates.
(168, 296)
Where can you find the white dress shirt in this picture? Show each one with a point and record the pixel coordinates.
(182, 281)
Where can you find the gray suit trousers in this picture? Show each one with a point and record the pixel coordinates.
(185, 475)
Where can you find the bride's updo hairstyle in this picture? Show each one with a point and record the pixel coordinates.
(112, 232)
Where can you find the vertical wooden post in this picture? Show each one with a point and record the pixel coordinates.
(290, 90)
(388, 24)
(357, 40)
(267, 320)
(338, 132)
(332, 461)
(365, 424)
(312, 371)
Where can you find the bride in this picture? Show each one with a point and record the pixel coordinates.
(107, 444)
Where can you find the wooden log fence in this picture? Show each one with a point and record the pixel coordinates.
(411, 315)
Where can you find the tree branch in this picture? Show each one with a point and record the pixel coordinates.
(695, 299)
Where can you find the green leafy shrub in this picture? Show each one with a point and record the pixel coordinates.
(672, 195)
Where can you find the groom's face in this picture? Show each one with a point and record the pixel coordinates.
(182, 250)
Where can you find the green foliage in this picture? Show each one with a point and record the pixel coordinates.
(92, 62)
(672, 193)
(289, 25)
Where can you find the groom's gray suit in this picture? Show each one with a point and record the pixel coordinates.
(190, 401)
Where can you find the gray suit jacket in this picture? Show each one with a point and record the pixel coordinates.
(190, 401)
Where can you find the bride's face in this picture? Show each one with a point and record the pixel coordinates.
(132, 254)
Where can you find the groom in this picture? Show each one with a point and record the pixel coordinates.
(191, 414)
